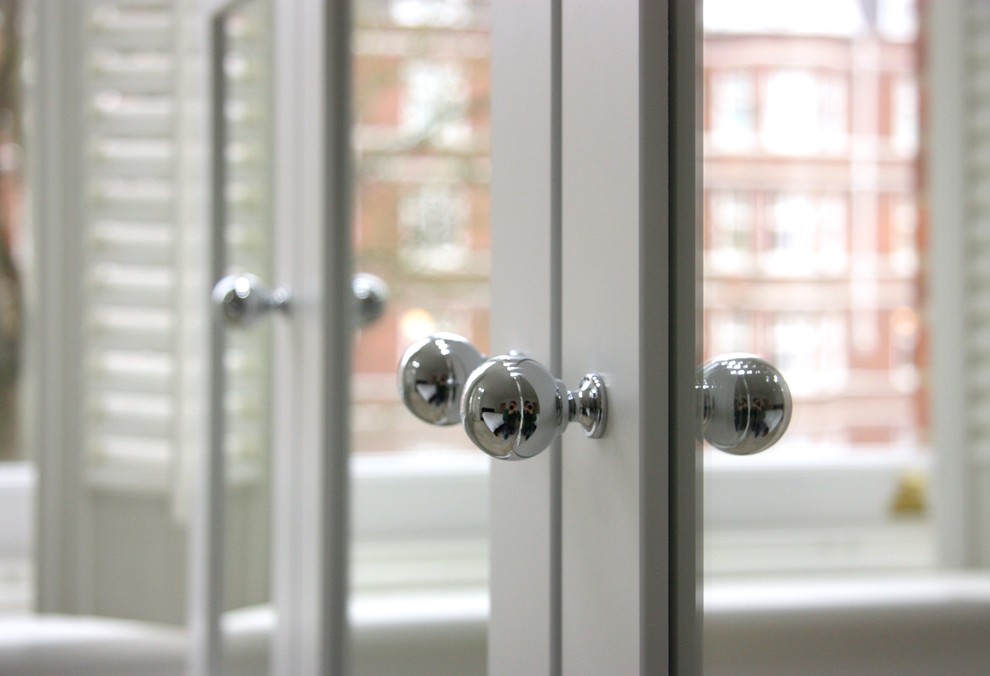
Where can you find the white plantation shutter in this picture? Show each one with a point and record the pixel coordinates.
(976, 171)
(140, 221)
(145, 289)
(117, 119)
(958, 170)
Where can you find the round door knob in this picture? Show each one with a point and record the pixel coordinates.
(432, 374)
(241, 300)
(746, 404)
(370, 298)
(513, 407)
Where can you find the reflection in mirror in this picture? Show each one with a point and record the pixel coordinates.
(432, 374)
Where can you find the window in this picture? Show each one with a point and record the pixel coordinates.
(898, 19)
(733, 110)
(825, 205)
(806, 234)
(435, 13)
(905, 118)
(422, 215)
(433, 228)
(732, 236)
(435, 103)
(792, 232)
(804, 112)
(812, 350)
(731, 331)
(904, 259)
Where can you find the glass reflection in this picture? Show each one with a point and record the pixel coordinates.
(512, 419)
(514, 408)
(432, 374)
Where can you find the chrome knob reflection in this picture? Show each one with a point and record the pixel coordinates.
(370, 298)
(432, 374)
(241, 300)
(513, 407)
(746, 404)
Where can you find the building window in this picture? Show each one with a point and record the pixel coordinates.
(830, 221)
(811, 350)
(897, 20)
(807, 234)
(804, 113)
(432, 13)
(792, 232)
(904, 121)
(904, 258)
(435, 103)
(732, 229)
(731, 330)
(433, 228)
(733, 110)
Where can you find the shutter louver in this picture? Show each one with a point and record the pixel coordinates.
(132, 269)
(144, 231)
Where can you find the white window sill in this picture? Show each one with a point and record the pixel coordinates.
(868, 624)
(813, 510)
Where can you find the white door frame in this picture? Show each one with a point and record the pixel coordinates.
(629, 223)
(313, 198)
(312, 349)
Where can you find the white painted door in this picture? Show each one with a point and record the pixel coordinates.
(301, 107)
(593, 270)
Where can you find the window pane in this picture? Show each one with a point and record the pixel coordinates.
(812, 260)
(421, 224)
(733, 110)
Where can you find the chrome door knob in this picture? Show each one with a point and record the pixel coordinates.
(370, 298)
(746, 404)
(432, 374)
(241, 300)
(513, 407)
